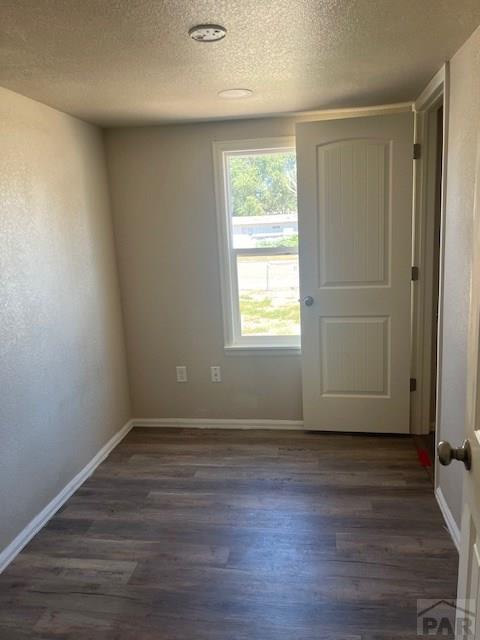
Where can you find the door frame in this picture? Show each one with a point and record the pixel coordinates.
(435, 95)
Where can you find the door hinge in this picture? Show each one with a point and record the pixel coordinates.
(413, 384)
(415, 274)
(417, 151)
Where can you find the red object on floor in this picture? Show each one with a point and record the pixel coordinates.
(424, 458)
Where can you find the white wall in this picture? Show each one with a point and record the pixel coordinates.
(164, 212)
(463, 130)
(62, 365)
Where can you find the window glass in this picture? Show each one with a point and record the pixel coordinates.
(259, 226)
(263, 199)
(268, 295)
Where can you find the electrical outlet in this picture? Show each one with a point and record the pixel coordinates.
(215, 374)
(182, 374)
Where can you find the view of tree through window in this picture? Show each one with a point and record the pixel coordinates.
(263, 208)
(263, 184)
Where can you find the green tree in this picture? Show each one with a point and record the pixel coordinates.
(263, 184)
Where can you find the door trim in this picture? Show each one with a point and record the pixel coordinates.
(352, 112)
(434, 95)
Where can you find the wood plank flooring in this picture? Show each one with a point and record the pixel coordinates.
(237, 535)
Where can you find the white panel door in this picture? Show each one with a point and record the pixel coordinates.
(355, 224)
(468, 604)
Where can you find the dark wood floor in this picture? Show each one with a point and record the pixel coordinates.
(231, 535)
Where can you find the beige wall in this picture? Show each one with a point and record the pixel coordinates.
(164, 212)
(62, 367)
(464, 127)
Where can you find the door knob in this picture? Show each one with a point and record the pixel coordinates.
(308, 301)
(446, 453)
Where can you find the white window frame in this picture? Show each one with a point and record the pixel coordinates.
(234, 341)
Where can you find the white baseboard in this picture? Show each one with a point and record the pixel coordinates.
(206, 423)
(452, 526)
(23, 538)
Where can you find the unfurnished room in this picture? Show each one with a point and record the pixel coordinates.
(239, 319)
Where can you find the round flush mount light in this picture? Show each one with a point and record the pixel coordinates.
(207, 32)
(234, 94)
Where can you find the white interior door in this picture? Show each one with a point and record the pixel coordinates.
(469, 569)
(355, 222)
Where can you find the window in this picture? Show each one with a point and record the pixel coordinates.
(258, 233)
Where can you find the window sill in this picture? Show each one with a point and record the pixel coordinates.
(281, 350)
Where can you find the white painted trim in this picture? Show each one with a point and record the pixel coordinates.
(422, 247)
(215, 423)
(441, 277)
(452, 526)
(353, 112)
(40, 520)
(227, 253)
(315, 114)
(432, 92)
(260, 350)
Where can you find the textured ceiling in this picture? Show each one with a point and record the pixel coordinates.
(132, 62)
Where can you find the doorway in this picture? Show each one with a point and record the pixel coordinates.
(438, 118)
(426, 443)
(428, 264)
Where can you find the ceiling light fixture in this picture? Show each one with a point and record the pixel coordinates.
(207, 32)
(233, 94)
